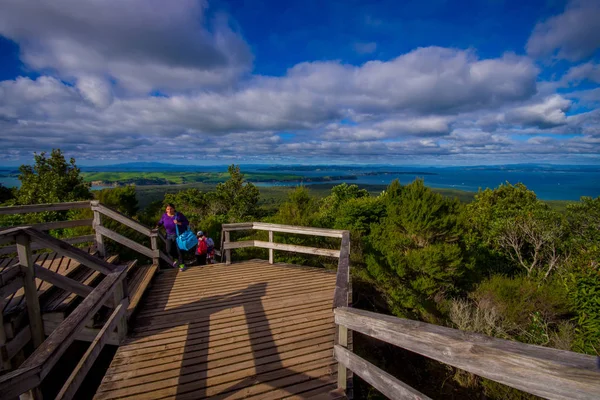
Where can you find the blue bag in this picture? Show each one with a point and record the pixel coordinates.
(187, 240)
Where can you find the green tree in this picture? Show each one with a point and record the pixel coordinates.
(6, 194)
(417, 260)
(51, 180)
(123, 199)
(236, 197)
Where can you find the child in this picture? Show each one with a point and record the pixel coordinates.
(210, 251)
(201, 251)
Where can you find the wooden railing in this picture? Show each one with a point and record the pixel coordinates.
(111, 292)
(542, 371)
(48, 225)
(153, 252)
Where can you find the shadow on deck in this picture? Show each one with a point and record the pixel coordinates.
(247, 330)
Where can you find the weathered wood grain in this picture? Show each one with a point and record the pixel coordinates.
(44, 207)
(132, 244)
(342, 282)
(72, 252)
(379, 379)
(301, 230)
(48, 354)
(38, 246)
(31, 295)
(72, 384)
(46, 226)
(297, 249)
(122, 218)
(545, 372)
(62, 281)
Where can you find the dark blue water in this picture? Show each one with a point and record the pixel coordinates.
(548, 182)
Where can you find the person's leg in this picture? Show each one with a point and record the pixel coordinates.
(170, 243)
(202, 259)
(179, 255)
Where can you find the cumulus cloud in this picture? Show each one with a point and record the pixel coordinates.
(143, 45)
(588, 71)
(546, 114)
(572, 35)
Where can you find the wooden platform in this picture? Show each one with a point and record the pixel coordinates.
(246, 330)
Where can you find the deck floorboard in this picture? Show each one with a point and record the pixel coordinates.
(246, 330)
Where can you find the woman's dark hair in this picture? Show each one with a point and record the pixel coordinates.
(170, 205)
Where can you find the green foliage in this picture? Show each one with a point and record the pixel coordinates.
(122, 199)
(51, 180)
(299, 209)
(6, 194)
(417, 259)
(523, 302)
(236, 197)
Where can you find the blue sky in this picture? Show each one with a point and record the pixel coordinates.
(412, 82)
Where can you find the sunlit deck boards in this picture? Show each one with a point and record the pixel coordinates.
(246, 330)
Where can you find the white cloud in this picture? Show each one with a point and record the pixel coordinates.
(578, 73)
(572, 35)
(546, 114)
(143, 45)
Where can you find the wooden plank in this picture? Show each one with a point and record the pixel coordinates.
(96, 223)
(545, 372)
(376, 377)
(301, 230)
(238, 245)
(31, 296)
(137, 292)
(122, 218)
(48, 354)
(8, 235)
(44, 207)
(72, 252)
(19, 381)
(241, 226)
(154, 245)
(10, 287)
(18, 342)
(62, 282)
(46, 226)
(72, 384)
(342, 339)
(86, 334)
(38, 246)
(227, 251)
(127, 242)
(342, 282)
(297, 249)
(270, 250)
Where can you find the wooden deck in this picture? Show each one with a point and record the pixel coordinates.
(246, 330)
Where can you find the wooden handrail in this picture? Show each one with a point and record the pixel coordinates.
(72, 252)
(44, 207)
(120, 217)
(37, 246)
(45, 357)
(542, 371)
(46, 226)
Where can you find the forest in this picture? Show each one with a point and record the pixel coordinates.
(504, 264)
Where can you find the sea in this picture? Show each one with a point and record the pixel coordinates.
(549, 182)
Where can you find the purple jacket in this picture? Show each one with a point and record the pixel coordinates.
(167, 222)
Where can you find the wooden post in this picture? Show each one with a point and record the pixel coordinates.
(31, 295)
(228, 251)
(119, 293)
(98, 222)
(6, 364)
(270, 250)
(342, 371)
(154, 245)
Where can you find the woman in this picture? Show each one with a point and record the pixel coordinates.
(170, 219)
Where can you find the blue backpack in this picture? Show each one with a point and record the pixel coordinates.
(186, 240)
